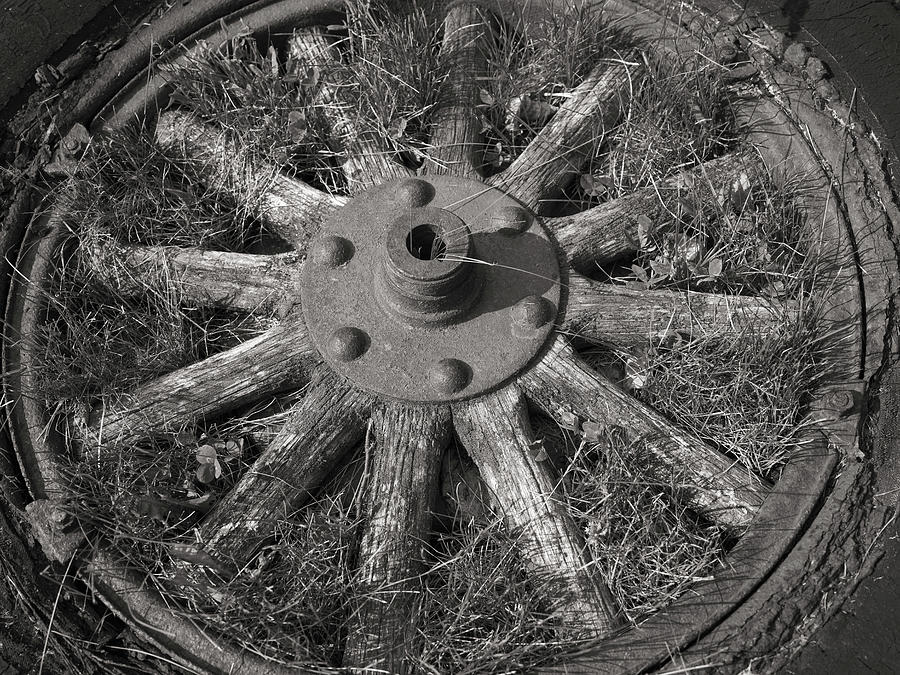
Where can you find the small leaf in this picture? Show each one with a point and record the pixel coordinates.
(715, 267)
(485, 97)
(273, 60)
(645, 230)
(640, 273)
(297, 126)
(234, 448)
(593, 431)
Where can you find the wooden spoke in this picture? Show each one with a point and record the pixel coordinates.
(367, 158)
(403, 488)
(620, 316)
(717, 487)
(456, 136)
(290, 208)
(599, 235)
(560, 149)
(497, 433)
(328, 422)
(279, 358)
(234, 280)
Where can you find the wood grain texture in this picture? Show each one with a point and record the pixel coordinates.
(560, 149)
(329, 421)
(608, 231)
(280, 357)
(716, 486)
(402, 488)
(625, 317)
(256, 283)
(367, 158)
(292, 209)
(496, 431)
(456, 136)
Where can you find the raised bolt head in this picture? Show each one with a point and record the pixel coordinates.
(348, 343)
(513, 219)
(331, 251)
(449, 376)
(532, 312)
(413, 192)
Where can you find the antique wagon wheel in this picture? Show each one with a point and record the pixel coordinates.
(436, 300)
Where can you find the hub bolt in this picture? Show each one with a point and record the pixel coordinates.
(414, 192)
(348, 343)
(512, 219)
(331, 251)
(449, 376)
(530, 313)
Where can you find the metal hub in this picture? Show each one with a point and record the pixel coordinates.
(430, 290)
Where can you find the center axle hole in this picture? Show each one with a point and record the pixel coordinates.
(424, 242)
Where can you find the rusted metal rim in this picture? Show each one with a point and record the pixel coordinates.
(782, 518)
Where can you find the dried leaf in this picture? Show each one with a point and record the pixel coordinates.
(207, 473)
(195, 555)
(593, 431)
(645, 230)
(569, 420)
(715, 267)
(640, 273)
(206, 454)
(398, 128)
(537, 451)
(485, 97)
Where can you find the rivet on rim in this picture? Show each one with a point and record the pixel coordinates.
(331, 251)
(348, 343)
(511, 219)
(449, 376)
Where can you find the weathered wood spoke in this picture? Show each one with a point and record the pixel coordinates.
(367, 158)
(233, 280)
(403, 485)
(717, 487)
(560, 149)
(279, 358)
(620, 316)
(292, 209)
(496, 431)
(456, 137)
(605, 232)
(327, 423)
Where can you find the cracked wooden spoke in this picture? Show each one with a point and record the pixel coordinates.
(278, 358)
(456, 137)
(497, 434)
(325, 425)
(624, 317)
(560, 149)
(603, 233)
(367, 157)
(292, 209)
(717, 487)
(403, 485)
(256, 283)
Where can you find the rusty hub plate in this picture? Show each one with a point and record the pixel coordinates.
(430, 290)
